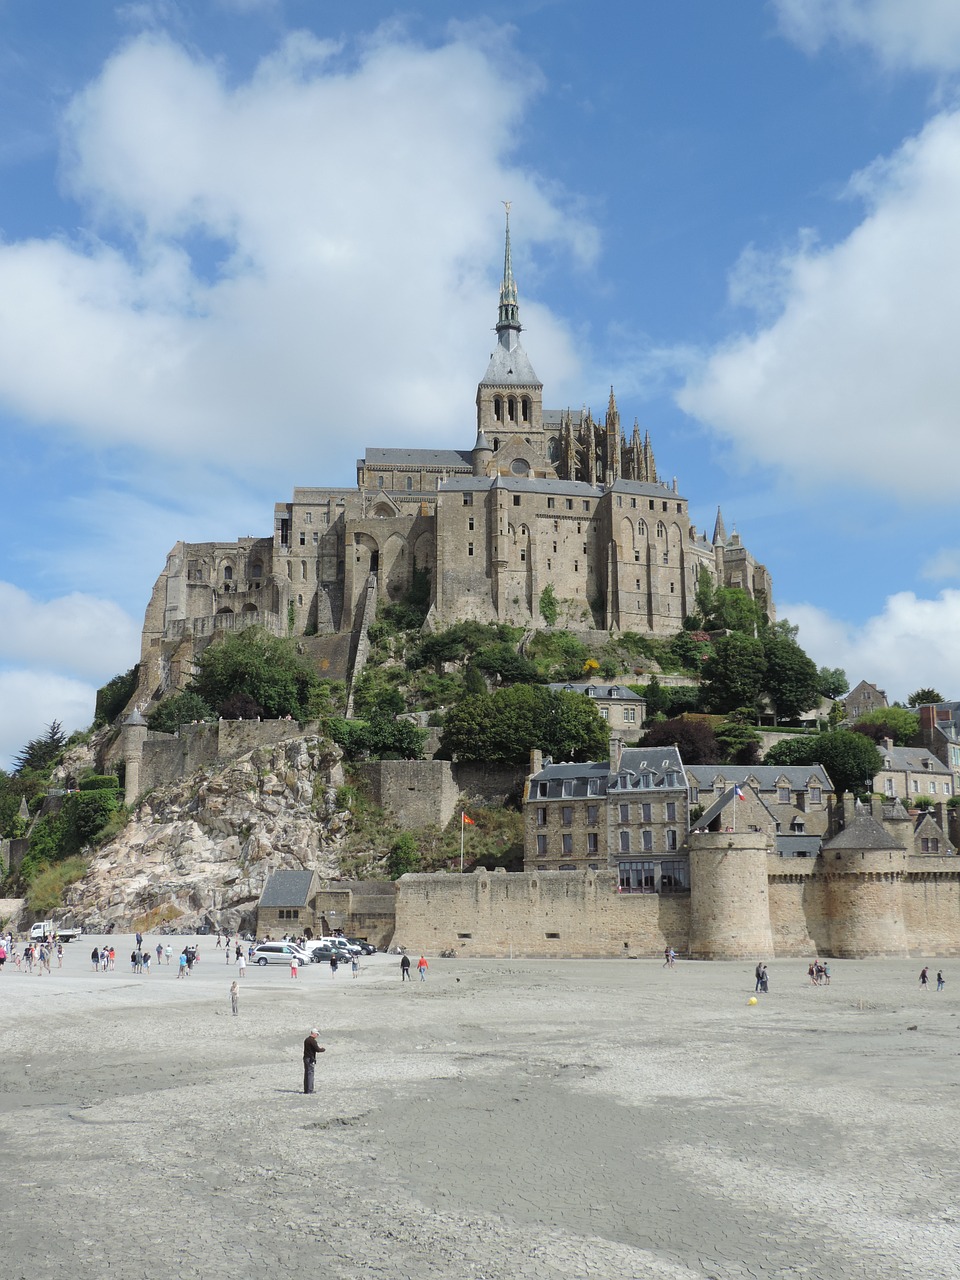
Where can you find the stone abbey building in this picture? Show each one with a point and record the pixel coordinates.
(544, 498)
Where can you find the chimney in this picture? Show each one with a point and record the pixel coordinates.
(928, 720)
(888, 744)
(536, 760)
(616, 749)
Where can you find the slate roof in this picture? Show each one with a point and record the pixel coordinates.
(510, 369)
(862, 833)
(634, 762)
(796, 776)
(616, 692)
(419, 457)
(795, 846)
(287, 889)
(914, 759)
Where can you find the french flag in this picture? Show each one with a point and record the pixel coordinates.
(738, 793)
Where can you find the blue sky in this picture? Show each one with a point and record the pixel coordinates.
(240, 241)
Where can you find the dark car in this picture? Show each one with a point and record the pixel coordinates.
(367, 948)
(320, 952)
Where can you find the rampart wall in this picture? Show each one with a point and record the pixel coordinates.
(169, 758)
(581, 914)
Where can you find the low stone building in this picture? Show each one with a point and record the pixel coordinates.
(796, 797)
(287, 905)
(299, 903)
(940, 733)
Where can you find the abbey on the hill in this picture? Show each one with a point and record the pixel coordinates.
(545, 498)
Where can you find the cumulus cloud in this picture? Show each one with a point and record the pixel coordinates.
(909, 645)
(855, 380)
(31, 700)
(76, 633)
(919, 34)
(282, 267)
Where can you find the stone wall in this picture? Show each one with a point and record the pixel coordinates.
(168, 758)
(581, 914)
(541, 914)
(416, 793)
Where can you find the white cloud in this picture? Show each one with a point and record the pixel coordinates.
(919, 34)
(911, 644)
(76, 633)
(856, 381)
(943, 565)
(278, 270)
(31, 700)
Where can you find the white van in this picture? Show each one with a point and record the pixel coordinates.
(279, 953)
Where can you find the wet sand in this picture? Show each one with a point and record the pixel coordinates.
(533, 1119)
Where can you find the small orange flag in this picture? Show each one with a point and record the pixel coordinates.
(468, 820)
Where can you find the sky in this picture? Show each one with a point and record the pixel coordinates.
(242, 240)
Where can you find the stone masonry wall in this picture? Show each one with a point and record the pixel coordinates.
(167, 759)
(548, 913)
(581, 914)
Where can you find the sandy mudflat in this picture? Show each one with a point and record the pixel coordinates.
(535, 1119)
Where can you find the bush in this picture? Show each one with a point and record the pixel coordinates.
(48, 883)
(100, 782)
(114, 696)
(403, 857)
(548, 605)
(182, 708)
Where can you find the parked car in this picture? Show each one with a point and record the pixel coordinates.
(342, 945)
(320, 952)
(279, 953)
(367, 948)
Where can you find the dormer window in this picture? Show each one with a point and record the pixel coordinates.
(568, 786)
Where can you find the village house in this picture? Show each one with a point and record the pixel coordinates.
(909, 772)
(622, 708)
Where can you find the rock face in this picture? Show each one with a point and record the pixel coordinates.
(200, 852)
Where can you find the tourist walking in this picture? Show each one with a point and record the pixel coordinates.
(941, 981)
(242, 965)
(334, 965)
(422, 967)
(182, 965)
(167, 952)
(95, 958)
(159, 952)
(758, 974)
(311, 1048)
(235, 997)
(764, 979)
(924, 978)
(3, 956)
(404, 968)
(59, 955)
(293, 966)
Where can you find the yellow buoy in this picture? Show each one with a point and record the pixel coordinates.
(752, 1000)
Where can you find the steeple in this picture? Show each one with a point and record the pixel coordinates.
(508, 318)
(719, 530)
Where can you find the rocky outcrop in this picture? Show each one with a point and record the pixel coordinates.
(199, 852)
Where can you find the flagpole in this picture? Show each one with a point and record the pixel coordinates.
(462, 829)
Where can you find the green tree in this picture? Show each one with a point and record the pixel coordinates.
(832, 682)
(898, 723)
(501, 659)
(851, 760)
(260, 666)
(548, 606)
(733, 673)
(403, 857)
(374, 694)
(705, 594)
(114, 696)
(791, 681)
(504, 726)
(41, 752)
(656, 697)
(921, 696)
(182, 708)
(734, 610)
(738, 740)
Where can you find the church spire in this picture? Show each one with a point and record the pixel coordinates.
(719, 531)
(508, 318)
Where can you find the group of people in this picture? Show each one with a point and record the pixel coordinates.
(422, 968)
(762, 977)
(40, 954)
(819, 973)
(925, 979)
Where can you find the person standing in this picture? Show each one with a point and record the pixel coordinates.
(95, 959)
(334, 964)
(941, 981)
(242, 965)
(159, 953)
(355, 966)
(238, 950)
(167, 952)
(422, 968)
(235, 997)
(311, 1048)
(182, 965)
(405, 968)
(758, 974)
(293, 966)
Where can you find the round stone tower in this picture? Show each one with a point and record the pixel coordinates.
(133, 736)
(863, 870)
(482, 453)
(729, 903)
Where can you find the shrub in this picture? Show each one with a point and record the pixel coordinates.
(100, 782)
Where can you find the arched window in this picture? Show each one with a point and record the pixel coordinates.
(525, 408)
(409, 484)
(553, 449)
(303, 570)
(642, 528)
(661, 529)
(512, 408)
(496, 442)
(498, 408)
(227, 572)
(299, 599)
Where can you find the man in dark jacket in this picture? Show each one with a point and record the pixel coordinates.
(405, 969)
(310, 1050)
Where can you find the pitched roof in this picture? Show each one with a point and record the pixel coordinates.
(510, 369)
(287, 889)
(862, 833)
(419, 457)
(916, 759)
(796, 776)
